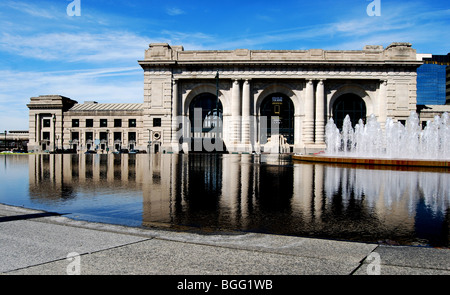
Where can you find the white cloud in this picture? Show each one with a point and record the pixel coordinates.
(104, 83)
(412, 22)
(32, 9)
(174, 11)
(76, 47)
(123, 84)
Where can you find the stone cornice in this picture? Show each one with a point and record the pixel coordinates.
(360, 73)
(44, 106)
(290, 63)
(55, 102)
(163, 55)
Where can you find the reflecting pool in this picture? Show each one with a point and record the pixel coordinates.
(232, 192)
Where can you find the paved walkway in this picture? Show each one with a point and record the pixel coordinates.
(35, 243)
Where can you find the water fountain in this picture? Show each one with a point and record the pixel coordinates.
(397, 144)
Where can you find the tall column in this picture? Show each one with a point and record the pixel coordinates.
(236, 112)
(320, 113)
(308, 125)
(53, 132)
(175, 98)
(37, 133)
(175, 116)
(382, 103)
(246, 113)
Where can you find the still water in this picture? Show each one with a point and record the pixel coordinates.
(227, 193)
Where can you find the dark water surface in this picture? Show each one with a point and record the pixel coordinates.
(225, 193)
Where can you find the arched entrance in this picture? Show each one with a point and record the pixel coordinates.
(349, 104)
(206, 121)
(281, 106)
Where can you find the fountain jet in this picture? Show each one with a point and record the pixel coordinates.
(397, 144)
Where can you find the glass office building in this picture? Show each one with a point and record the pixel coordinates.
(432, 80)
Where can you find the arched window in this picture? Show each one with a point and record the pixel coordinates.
(207, 103)
(349, 104)
(279, 105)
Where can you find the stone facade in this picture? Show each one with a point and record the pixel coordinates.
(257, 89)
(57, 122)
(45, 121)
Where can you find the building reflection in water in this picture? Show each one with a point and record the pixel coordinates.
(258, 193)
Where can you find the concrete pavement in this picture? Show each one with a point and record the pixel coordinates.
(38, 243)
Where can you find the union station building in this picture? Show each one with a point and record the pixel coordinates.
(235, 101)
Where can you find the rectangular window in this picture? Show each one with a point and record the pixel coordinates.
(103, 136)
(132, 123)
(46, 123)
(117, 136)
(156, 122)
(75, 123)
(103, 122)
(131, 136)
(75, 136)
(89, 136)
(117, 122)
(46, 135)
(89, 122)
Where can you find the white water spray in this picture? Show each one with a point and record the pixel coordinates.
(396, 141)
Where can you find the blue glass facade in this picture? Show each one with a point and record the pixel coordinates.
(431, 84)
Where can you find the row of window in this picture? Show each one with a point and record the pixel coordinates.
(104, 136)
(104, 123)
(90, 136)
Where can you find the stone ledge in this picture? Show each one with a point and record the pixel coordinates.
(372, 161)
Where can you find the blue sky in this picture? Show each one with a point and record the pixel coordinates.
(43, 50)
